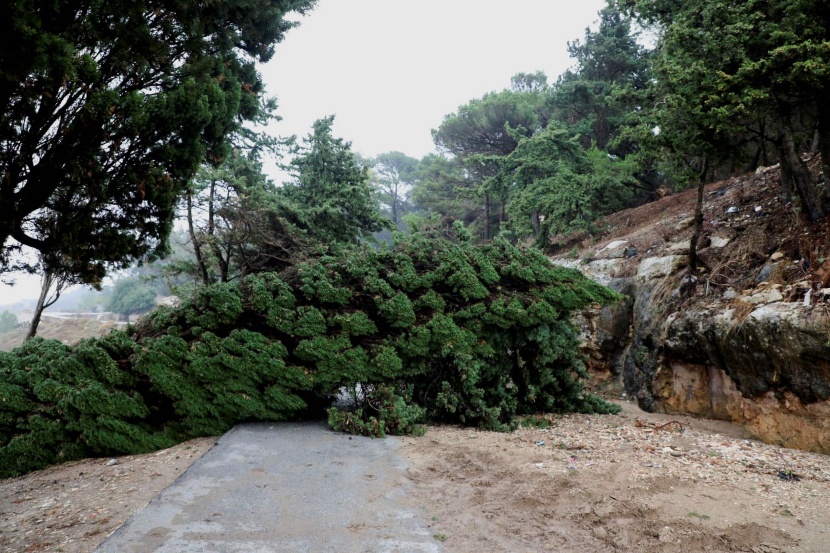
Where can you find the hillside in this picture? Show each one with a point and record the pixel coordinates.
(749, 341)
(746, 223)
(68, 331)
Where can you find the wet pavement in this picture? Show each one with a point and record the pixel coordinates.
(284, 487)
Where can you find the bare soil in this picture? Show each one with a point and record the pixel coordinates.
(68, 331)
(635, 482)
(749, 211)
(71, 508)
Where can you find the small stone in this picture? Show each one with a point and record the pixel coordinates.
(718, 242)
(776, 256)
(774, 295)
(730, 294)
(112, 462)
(732, 210)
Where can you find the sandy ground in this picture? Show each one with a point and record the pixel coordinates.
(620, 483)
(71, 508)
(632, 482)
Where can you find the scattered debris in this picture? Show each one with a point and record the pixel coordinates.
(677, 426)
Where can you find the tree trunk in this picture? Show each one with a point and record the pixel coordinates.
(791, 163)
(698, 217)
(536, 223)
(502, 213)
(823, 133)
(197, 247)
(49, 278)
(486, 217)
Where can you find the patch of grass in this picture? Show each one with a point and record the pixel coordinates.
(698, 515)
(440, 537)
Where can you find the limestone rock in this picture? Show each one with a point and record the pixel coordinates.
(654, 267)
(603, 270)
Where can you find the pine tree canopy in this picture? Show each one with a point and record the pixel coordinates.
(107, 110)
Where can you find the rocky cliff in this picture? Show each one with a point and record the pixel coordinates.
(746, 338)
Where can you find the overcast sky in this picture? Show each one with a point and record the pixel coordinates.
(390, 70)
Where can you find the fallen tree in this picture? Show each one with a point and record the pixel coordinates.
(431, 329)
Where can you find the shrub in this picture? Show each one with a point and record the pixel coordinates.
(429, 330)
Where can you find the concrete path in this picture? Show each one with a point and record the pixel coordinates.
(284, 487)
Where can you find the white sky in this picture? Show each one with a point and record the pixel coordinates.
(390, 70)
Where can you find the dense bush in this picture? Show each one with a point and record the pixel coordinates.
(429, 329)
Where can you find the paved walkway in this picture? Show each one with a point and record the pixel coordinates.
(285, 487)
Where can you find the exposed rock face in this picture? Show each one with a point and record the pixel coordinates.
(746, 338)
(765, 366)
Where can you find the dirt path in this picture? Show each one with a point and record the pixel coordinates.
(597, 484)
(620, 483)
(71, 508)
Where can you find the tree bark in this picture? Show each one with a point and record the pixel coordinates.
(823, 133)
(197, 247)
(792, 165)
(486, 217)
(698, 218)
(49, 278)
(536, 223)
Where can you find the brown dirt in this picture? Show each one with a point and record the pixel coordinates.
(749, 210)
(71, 508)
(68, 331)
(618, 483)
(596, 484)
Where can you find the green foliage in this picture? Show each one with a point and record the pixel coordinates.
(600, 98)
(382, 411)
(8, 321)
(108, 108)
(331, 199)
(737, 79)
(393, 175)
(559, 187)
(131, 295)
(430, 329)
